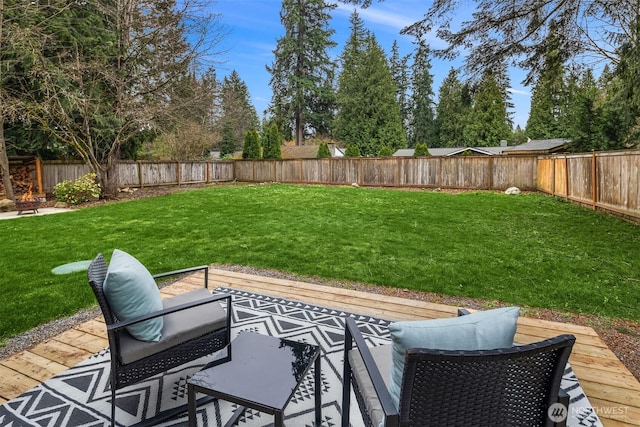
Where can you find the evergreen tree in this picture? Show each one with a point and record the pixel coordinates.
(423, 127)
(400, 73)
(421, 150)
(519, 136)
(271, 142)
(549, 101)
(624, 98)
(251, 148)
(584, 115)
(302, 72)
(368, 115)
(488, 123)
(352, 151)
(452, 112)
(323, 151)
(236, 108)
(351, 89)
(228, 144)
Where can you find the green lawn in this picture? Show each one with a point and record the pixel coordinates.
(528, 250)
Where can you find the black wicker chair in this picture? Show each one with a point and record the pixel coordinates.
(195, 322)
(505, 387)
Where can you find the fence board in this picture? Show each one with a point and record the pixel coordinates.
(55, 172)
(420, 171)
(607, 181)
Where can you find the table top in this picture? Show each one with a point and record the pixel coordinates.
(259, 368)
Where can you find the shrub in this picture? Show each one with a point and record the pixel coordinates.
(385, 151)
(352, 151)
(251, 148)
(421, 150)
(271, 143)
(323, 151)
(83, 189)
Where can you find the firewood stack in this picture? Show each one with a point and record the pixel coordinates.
(21, 179)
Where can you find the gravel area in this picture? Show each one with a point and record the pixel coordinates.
(621, 335)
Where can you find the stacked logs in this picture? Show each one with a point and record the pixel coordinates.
(21, 179)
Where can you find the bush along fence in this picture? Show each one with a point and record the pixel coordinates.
(602, 180)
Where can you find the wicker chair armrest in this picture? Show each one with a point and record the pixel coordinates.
(390, 411)
(214, 298)
(187, 270)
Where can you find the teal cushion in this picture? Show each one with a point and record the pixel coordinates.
(132, 292)
(484, 330)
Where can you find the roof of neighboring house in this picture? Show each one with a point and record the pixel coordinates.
(444, 152)
(299, 151)
(308, 151)
(537, 146)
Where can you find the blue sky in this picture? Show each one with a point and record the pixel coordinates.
(255, 26)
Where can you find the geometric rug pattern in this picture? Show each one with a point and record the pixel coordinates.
(81, 396)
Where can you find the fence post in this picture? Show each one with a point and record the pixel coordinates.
(39, 174)
(594, 180)
(178, 172)
(553, 175)
(140, 174)
(490, 173)
(566, 174)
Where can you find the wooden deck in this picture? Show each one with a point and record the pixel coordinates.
(611, 388)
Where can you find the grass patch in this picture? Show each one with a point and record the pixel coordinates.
(528, 250)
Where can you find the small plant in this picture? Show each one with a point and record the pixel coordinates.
(385, 151)
(251, 148)
(421, 150)
(352, 151)
(83, 189)
(323, 151)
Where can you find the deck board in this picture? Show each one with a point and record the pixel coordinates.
(611, 388)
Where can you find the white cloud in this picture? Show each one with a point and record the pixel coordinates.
(379, 16)
(519, 92)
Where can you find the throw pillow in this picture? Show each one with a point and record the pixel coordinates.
(132, 292)
(483, 330)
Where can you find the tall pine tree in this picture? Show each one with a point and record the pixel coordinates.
(422, 126)
(236, 109)
(368, 115)
(549, 100)
(302, 73)
(401, 77)
(488, 123)
(453, 112)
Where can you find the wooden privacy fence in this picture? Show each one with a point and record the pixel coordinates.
(480, 173)
(144, 173)
(603, 180)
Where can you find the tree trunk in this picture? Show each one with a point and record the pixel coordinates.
(109, 178)
(4, 159)
(4, 164)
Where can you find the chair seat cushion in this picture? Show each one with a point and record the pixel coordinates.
(178, 327)
(483, 330)
(382, 356)
(132, 292)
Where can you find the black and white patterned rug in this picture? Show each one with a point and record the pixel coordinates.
(81, 396)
